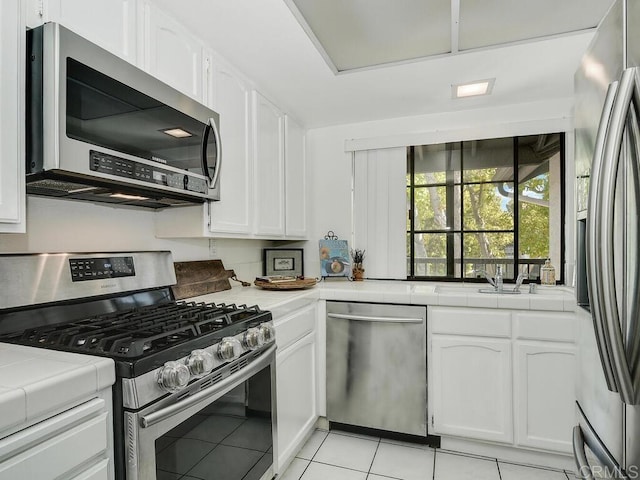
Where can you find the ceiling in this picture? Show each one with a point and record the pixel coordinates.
(330, 62)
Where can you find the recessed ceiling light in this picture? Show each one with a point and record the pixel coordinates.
(472, 89)
(128, 197)
(177, 132)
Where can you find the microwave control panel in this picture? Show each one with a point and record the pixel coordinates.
(122, 167)
(83, 269)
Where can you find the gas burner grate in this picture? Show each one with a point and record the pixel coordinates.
(139, 331)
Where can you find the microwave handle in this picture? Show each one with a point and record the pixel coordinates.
(211, 127)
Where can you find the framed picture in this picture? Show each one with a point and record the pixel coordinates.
(281, 261)
(334, 258)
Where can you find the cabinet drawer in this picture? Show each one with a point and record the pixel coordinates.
(549, 326)
(99, 471)
(56, 456)
(470, 321)
(295, 326)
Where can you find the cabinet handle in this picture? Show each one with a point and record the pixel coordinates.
(366, 318)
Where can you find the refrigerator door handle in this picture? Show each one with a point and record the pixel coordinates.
(580, 456)
(594, 284)
(633, 334)
(585, 435)
(604, 236)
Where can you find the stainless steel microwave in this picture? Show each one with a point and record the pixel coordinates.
(101, 129)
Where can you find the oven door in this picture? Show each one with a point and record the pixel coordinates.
(224, 431)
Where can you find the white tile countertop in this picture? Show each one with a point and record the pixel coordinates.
(556, 298)
(36, 383)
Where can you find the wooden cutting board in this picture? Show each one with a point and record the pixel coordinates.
(200, 277)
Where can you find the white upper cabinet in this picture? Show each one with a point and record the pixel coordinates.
(295, 180)
(12, 55)
(112, 25)
(170, 52)
(268, 153)
(230, 97)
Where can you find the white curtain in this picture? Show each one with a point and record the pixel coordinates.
(380, 211)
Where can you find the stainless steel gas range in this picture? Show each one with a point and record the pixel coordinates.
(195, 382)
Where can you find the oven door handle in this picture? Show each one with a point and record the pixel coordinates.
(213, 392)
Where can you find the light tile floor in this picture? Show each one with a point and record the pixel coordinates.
(340, 455)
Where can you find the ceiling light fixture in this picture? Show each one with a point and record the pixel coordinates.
(177, 132)
(472, 89)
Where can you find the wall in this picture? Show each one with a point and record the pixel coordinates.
(329, 157)
(68, 226)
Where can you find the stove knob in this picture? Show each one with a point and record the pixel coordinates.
(268, 332)
(253, 338)
(229, 348)
(200, 363)
(174, 376)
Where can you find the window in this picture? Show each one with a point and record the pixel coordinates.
(478, 204)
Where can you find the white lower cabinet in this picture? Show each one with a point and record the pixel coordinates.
(544, 372)
(296, 410)
(503, 376)
(471, 385)
(74, 444)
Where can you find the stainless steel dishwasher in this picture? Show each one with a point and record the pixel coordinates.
(377, 366)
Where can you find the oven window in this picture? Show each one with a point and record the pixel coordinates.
(110, 114)
(231, 439)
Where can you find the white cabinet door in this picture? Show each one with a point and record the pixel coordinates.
(471, 388)
(232, 214)
(296, 397)
(112, 25)
(295, 180)
(171, 53)
(268, 153)
(544, 395)
(12, 54)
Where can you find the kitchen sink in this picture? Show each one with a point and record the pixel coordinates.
(465, 290)
(524, 289)
(455, 290)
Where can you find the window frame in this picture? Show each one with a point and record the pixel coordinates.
(450, 231)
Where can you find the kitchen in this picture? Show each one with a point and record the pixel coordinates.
(54, 225)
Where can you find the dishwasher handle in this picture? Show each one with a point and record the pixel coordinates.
(367, 318)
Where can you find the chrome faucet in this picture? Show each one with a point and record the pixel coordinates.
(521, 278)
(495, 282)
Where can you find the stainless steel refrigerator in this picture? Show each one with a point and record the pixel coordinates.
(606, 439)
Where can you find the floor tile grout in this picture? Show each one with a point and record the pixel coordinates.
(436, 452)
(374, 458)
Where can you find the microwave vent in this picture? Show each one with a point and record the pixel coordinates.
(57, 188)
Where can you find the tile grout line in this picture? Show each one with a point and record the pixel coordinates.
(435, 459)
(498, 467)
(312, 456)
(373, 459)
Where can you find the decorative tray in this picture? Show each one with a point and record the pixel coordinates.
(295, 284)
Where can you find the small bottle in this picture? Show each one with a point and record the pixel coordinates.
(548, 273)
(499, 282)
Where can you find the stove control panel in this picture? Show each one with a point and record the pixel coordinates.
(83, 269)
